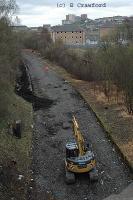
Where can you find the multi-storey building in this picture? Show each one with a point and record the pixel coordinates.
(83, 17)
(71, 18)
(69, 34)
(106, 30)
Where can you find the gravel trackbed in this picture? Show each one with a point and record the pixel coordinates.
(52, 129)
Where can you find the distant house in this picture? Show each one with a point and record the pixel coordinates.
(115, 19)
(92, 40)
(69, 34)
(92, 35)
(35, 29)
(66, 22)
(106, 30)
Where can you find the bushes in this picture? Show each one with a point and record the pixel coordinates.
(9, 58)
(110, 66)
(9, 52)
(116, 68)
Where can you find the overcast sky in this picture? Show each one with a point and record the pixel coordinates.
(39, 12)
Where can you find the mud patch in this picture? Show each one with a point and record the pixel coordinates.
(52, 127)
(25, 89)
(39, 103)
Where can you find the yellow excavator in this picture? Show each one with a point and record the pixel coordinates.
(79, 157)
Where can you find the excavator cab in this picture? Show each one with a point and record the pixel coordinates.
(79, 157)
(71, 150)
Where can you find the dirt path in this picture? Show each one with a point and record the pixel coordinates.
(49, 139)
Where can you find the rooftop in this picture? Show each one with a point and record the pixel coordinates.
(19, 26)
(108, 25)
(67, 28)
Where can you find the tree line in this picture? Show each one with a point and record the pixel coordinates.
(9, 53)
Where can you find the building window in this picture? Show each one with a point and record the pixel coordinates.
(57, 32)
(61, 31)
(65, 36)
(72, 36)
(72, 31)
(65, 32)
(76, 37)
(80, 36)
(80, 31)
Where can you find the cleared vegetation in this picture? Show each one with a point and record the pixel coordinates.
(105, 79)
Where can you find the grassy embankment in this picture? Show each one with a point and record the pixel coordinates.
(14, 107)
(14, 153)
(10, 147)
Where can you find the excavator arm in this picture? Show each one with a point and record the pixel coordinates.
(78, 136)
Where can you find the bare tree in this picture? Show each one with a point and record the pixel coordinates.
(7, 8)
